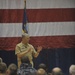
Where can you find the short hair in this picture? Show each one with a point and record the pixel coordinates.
(43, 66)
(13, 69)
(25, 35)
(3, 67)
(72, 69)
(25, 59)
(41, 72)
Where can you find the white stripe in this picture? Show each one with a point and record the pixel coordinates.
(38, 29)
(11, 4)
(10, 29)
(52, 28)
(36, 4)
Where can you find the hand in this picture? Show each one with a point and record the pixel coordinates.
(39, 48)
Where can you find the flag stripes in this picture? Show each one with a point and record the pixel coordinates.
(37, 15)
(51, 23)
(9, 43)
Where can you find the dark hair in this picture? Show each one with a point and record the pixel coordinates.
(25, 59)
(13, 69)
(43, 66)
(3, 67)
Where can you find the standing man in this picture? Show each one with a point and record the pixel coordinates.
(26, 49)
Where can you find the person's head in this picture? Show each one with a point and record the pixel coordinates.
(43, 66)
(12, 69)
(25, 38)
(72, 70)
(0, 60)
(57, 71)
(25, 59)
(3, 68)
(41, 72)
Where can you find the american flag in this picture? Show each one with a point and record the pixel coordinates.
(51, 23)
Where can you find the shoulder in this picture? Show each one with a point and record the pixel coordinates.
(17, 48)
(30, 45)
(19, 45)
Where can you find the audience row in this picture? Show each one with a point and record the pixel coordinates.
(27, 69)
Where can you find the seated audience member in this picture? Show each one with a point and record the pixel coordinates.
(12, 69)
(43, 66)
(25, 62)
(41, 71)
(72, 70)
(0, 60)
(57, 71)
(25, 67)
(3, 68)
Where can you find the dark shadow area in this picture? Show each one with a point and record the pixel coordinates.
(62, 58)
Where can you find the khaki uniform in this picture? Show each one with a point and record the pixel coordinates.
(21, 48)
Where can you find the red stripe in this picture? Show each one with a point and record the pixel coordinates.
(44, 41)
(9, 43)
(37, 15)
